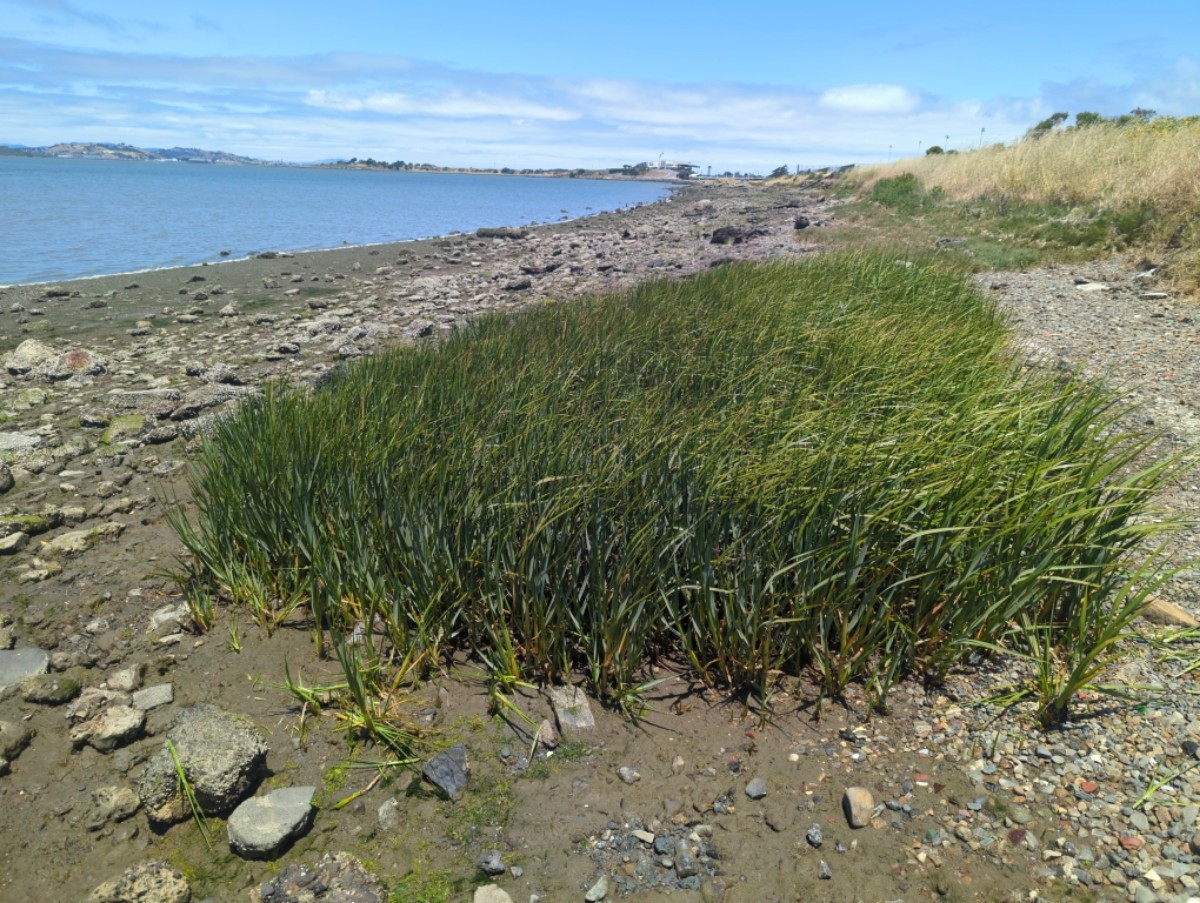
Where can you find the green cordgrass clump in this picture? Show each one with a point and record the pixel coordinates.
(834, 465)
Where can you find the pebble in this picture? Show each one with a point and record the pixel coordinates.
(814, 836)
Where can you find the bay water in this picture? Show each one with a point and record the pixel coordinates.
(72, 218)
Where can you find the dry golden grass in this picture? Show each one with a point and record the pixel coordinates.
(1155, 163)
(1152, 166)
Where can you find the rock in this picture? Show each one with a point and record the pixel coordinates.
(76, 542)
(337, 878)
(801, 222)
(418, 329)
(263, 826)
(1160, 611)
(150, 882)
(389, 814)
(93, 700)
(824, 872)
(685, 863)
(127, 679)
(814, 836)
(222, 756)
(448, 771)
(628, 774)
(13, 739)
(571, 709)
(757, 788)
(112, 804)
(18, 664)
(30, 355)
(491, 863)
(49, 689)
(93, 418)
(597, 891)
(518, 285)
(114, 726)
(491, 893)
(153, 697)
(547, 735)
(857, 804)
(6, 478)
(19, 441)
(734, 235)
(13, 543)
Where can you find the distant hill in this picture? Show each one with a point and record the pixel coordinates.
(102, 151)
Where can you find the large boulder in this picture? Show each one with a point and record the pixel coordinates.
(222, 756)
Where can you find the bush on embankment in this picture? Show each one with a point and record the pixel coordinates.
(834, 466)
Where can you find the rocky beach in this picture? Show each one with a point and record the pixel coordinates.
(107, 690)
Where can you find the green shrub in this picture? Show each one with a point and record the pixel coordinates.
(903, 193)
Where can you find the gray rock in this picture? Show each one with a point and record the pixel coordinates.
(857, 804)
(18, 664)
(685, 863)
(49, 689)
(337, 878)
(757, 788)
(222, 756)
(150, 882)
(491, 863)
(824, 872)
(448, 771)
(7, 481)
(263, 826)
(10, 441)
(814, 836)
(13, 738)
(153, 697)
(571, 709)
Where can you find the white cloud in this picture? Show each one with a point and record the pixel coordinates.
(339, 104)
(870, 99)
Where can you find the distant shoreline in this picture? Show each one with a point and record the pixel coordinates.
(642, 172)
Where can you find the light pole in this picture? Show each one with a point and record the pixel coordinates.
(981, 131)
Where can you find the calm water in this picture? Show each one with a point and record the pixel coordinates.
(63, 219)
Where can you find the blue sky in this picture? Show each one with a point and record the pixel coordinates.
(743, 87)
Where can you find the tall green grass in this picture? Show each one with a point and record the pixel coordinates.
(833, 466)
